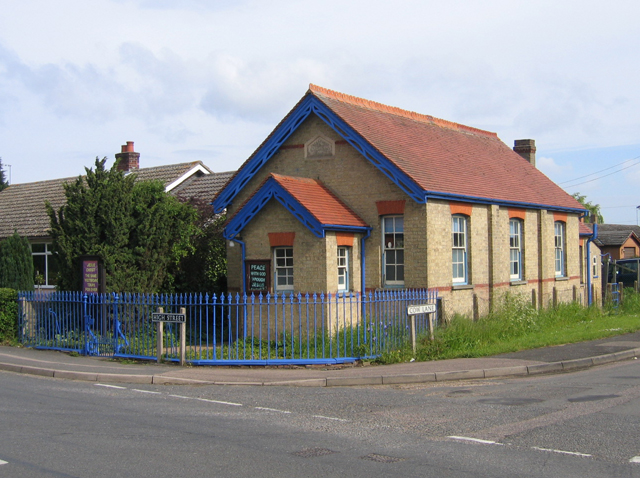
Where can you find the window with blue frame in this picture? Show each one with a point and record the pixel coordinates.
(343, 269)
(459, 251)
(393, 250)
(560, 248)
(515, 249)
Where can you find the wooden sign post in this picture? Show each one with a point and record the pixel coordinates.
(160, 318)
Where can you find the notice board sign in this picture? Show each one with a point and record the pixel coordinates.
(258, 275)
(91, 275)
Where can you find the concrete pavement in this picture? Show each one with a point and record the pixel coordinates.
(555, 359)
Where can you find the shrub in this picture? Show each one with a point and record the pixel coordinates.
(8, 315)
(16, 263)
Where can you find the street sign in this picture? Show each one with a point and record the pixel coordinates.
(421, 309)
(173, 318)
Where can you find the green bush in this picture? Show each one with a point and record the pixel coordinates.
(8, 315)
(16, 263)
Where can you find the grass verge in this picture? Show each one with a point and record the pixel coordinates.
(518, 326)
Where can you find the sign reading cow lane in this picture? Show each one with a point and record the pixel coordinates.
(421, 309)
(173, 318)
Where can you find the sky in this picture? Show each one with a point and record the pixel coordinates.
(210, 79)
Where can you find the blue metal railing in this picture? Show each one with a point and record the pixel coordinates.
(226, 329)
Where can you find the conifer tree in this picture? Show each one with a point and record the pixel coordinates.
(135, 228)
(16, 263)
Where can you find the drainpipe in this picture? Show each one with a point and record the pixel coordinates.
(363, 261)
(363, 264)
(244, 278)
(593, 237)
(244, 282)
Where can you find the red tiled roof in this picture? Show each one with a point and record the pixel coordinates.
(445, 157)
(319, 201)
(585, 229)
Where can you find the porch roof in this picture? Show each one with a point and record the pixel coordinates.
(310, 201)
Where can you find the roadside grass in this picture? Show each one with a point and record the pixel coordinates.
(517, 326)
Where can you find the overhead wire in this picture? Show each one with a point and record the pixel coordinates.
(636, 163)
(602, 170)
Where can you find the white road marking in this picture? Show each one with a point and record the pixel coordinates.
(109, 386)
(330, 418)
(476, 440)
(563, 452)
(635, 459)
(272, 410)
(219, 402)
(145, 391)
(2, 462)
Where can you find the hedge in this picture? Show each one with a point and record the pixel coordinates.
(8, 315)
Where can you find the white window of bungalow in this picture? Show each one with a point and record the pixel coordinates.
(283, 270)
(44, 266)
(459, 252)
(560, 246)
(393, 250)
(343, 269)
(515, 249)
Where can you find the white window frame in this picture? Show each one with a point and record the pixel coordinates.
(47, 254)
(343, 268)
(515, 249)
(560, 246)
(460, 249)
(393, 250)
(283, 269)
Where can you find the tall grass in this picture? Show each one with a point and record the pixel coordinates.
(515, 325)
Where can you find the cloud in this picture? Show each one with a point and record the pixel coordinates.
(257, 90)
(552, 169)
(198, 5)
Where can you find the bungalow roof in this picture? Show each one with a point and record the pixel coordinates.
(22, 206)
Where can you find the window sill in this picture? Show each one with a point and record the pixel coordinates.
(518, 282)
(462, 287)
(559, 279)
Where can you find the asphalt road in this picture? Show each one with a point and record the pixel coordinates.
(584, 424)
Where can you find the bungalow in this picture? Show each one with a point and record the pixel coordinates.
(620, 241)
(22, 206)
(347, 195)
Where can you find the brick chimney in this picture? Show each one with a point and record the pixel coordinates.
(526, 148)
(127, 159)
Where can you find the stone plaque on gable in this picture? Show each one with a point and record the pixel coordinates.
(319, 148)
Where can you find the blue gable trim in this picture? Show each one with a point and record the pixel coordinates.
(311, 104)
(271, 189)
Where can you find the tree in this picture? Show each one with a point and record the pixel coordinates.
(594, 209)
(3, 179)
(16, 263)
(135, 228)
(205, 268)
